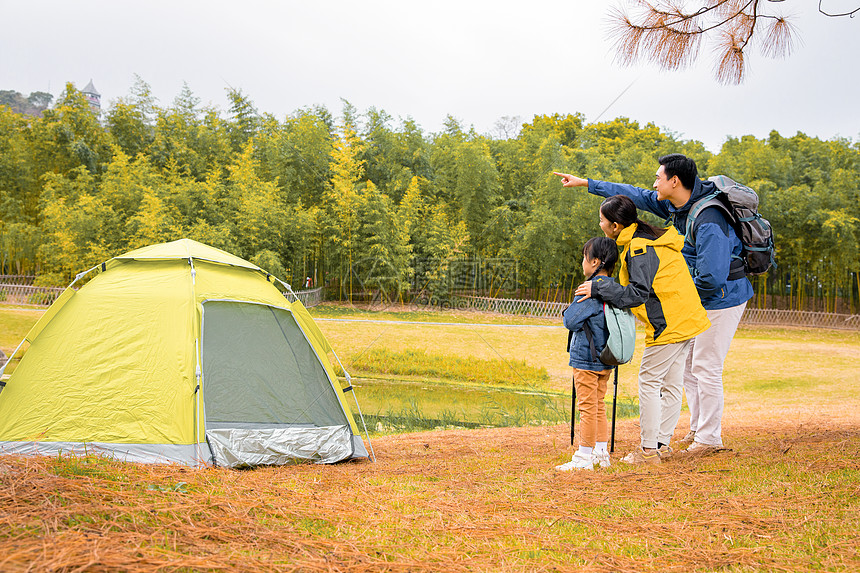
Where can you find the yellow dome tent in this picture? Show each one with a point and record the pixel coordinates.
(178, 353)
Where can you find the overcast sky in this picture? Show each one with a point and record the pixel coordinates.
(477, 61)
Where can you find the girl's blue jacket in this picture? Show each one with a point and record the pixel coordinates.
(575, 316)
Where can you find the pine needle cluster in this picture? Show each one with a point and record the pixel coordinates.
(671, 35)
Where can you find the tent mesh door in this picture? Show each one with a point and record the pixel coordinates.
(259, 373)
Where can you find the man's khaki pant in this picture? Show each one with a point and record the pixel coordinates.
(703, 376)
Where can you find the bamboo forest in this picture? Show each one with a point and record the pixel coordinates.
(367, 205)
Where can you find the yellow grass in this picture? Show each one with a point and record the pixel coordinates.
(784, 497)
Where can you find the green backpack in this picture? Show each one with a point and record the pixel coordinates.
(621, 326)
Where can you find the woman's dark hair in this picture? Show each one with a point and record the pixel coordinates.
(620, 209)
(605, 250)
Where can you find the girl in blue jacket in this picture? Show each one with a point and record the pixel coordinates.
(590, 375)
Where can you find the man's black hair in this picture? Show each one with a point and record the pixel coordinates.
(682, 166)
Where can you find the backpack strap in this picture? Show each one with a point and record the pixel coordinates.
(569, 332)
(590, 336)
(709, 200)
(736, 268)
(706, 201)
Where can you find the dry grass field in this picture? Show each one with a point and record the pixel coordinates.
(784, 497)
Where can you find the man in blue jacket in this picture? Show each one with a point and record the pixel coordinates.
(722, 284)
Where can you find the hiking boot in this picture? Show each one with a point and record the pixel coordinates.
(601, 459)
(700, 449)
(640, 456)
(689, 438)
(665, 452)
(577, 462)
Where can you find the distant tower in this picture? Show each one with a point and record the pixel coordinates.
(93, 97)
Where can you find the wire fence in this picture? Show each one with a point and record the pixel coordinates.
(537, 308)
(310, 297)
(27, 280)
(27, 294)
(773, 317)
(752, 316)
(23, 294)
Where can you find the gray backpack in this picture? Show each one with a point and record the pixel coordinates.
(740, 204)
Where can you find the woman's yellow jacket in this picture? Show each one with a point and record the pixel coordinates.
(656, 285)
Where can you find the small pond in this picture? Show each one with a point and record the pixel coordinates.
(391, 406)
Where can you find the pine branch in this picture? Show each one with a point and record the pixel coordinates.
(849, 14)
(671, 38)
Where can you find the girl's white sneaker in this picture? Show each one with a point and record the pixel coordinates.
(577, 462)
(601, 459)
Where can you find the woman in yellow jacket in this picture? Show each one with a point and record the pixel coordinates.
(654, 282)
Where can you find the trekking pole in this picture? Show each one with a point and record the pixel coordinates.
(572, 411)
(614, 399)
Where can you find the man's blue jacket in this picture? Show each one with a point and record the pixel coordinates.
(710, 257)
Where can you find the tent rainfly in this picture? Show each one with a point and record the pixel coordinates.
(178, 353)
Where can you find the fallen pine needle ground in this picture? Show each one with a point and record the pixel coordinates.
(783, 498)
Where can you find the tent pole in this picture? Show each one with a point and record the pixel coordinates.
(77, 278)
(360, 415)
(354, 397)
(198, 371)
(198, 374)
(9, 359)
(289, 288)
